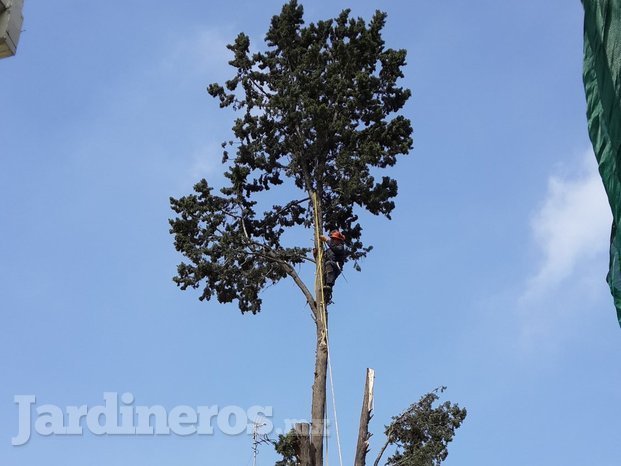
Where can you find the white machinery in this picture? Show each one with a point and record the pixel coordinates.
(11, 20)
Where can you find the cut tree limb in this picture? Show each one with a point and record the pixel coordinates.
(362, 447)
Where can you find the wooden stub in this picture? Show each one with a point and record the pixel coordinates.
(302, 431)
(365, 416)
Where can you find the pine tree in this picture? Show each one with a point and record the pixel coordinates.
(317, 121)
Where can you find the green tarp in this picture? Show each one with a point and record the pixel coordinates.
(602, 84)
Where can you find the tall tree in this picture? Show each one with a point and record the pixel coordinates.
(317, 121)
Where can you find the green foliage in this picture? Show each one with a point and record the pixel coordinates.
(422, 432)
(317, 115)
(287, 446)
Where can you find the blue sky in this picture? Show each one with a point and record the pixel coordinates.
(489, 279)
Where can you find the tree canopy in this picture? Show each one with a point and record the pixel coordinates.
(316, 114)
(423, 431)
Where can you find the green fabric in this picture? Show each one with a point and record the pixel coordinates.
(602, 84)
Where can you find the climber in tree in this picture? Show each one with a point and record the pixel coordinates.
(333, 260)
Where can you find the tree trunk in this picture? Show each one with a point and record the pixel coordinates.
(303, 451)
(365, 416)
(318, 403)
(318, 407)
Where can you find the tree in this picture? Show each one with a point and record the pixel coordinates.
(422, 432)
(317, 122)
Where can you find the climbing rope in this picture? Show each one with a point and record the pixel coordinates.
(324, 328)
(322, 304)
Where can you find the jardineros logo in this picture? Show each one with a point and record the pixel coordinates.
(119, 415)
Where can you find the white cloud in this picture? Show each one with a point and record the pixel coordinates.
(571, 227)
(571, 231)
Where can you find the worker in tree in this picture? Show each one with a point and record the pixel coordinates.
(333, 260)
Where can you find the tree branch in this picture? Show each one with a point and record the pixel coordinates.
(272, 256)
(289, 205)
(389, 435)
(298, 281)
(259, 88)
(379, 457)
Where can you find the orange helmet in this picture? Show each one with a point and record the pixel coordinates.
(335, 234)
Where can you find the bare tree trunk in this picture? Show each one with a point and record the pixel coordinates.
(318, 408)
(303, 453)
(365, 416)
(318, 403)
